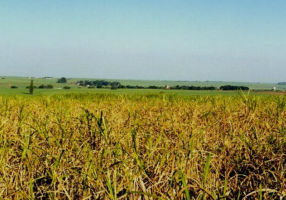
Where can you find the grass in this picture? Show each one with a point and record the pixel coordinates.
(142, 146)
(22, 82)
(48, 92)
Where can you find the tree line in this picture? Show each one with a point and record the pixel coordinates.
(42, 86)
(184, 87)
(99, 84)
(231, 87)
(118, 85)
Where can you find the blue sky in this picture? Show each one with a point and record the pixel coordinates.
(222, 40)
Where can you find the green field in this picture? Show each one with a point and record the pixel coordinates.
(22, 82)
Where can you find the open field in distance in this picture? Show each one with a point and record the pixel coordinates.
(23, 82)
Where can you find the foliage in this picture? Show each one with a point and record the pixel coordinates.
(66, 87)
(115, 85)
(62, 80)
(98, 83)
(46, 86)
(178, 87)
(31, 88)
(122, 86)
(14, 87)
(142, 147)
(231, 87)
(134, 87)
(154, 87)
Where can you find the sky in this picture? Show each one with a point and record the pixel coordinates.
(224, 40)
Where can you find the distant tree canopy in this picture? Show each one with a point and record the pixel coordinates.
(177, 87)
(118, 85)
(14, 87)
(183, 87)
(99, 83)
(62, 80)
(115, 85)
(282, 83)
(134, 87)
(46, 86)
(231, 87)
(31, 88)
(154, 87)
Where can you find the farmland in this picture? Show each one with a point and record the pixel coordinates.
(142, 100)
(148, 146)
(23, 82)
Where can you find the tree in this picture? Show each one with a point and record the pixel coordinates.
(50, 86)
(31, 88)
(231, 87)
(62, 80)
(42, 86)
(115, 85)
